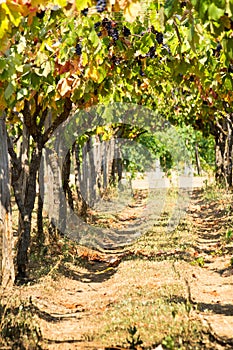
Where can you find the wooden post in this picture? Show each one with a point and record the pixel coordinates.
(7, 274)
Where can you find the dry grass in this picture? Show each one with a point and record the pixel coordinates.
(82, 300)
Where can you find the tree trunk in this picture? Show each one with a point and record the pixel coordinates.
(26, 213)
(81, 202)
(7, 274)
(40, 229)
(224, 151)
(198, 163)
(66, 179)
(24, 173)
(55, 200)
(92, 173)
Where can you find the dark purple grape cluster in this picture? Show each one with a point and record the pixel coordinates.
(97, 24)
(159, 38)
(40, 14)
(78, 49)
(110, 26)
(230, 68)
(126, 31)
(101, 5)
(113, 32)
(84, 12)
(192, 78)
(141, 72)
(107, 24)
(152, 52)
(216, 52)
(115, 60)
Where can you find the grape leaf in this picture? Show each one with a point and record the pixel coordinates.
(94, 38)
(4, 24)
(228, 82)
(214, 12)
(46, 69)
(2, 64)
(169, 7)
(9, 91)
(12, 11)
(81, 4)
(132, 10)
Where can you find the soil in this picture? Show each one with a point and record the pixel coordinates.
(88, 299)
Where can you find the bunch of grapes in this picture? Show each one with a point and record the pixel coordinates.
(101, 5)
(159, 38)
(113, 32)
(84, 12)
(152, 52)
(230, 68)
(115, 60)
(78, 49)
(216, 52)
(110, 26)
(107, 24)
(96, 25)
(126, 31)
(40, 14)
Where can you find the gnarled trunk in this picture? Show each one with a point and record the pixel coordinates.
(7, 274)
(224, 151)
(26, 213)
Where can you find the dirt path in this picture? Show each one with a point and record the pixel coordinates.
(211, 286)
(175, 289)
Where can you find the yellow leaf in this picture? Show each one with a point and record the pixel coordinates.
(36, 3)
(81, 4)
(92, 72)
(84, 59)
(122, 4)
(64, 86)
(132, 10)
(99, 130)
(12, 10)
(61, 3)
(40, 98)
(19, 105)
(76, 82)
(2, 100)
(4, 24)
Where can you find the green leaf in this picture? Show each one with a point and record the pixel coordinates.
(102, 74)
(2, 64)
(169, 7)
(9, 91)
(146, 42)
(21, 93)
(214, 12)
(81, 4)
(194, 2)
(35, 80)
(94, 38)
(203, 8)
(228, 83)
